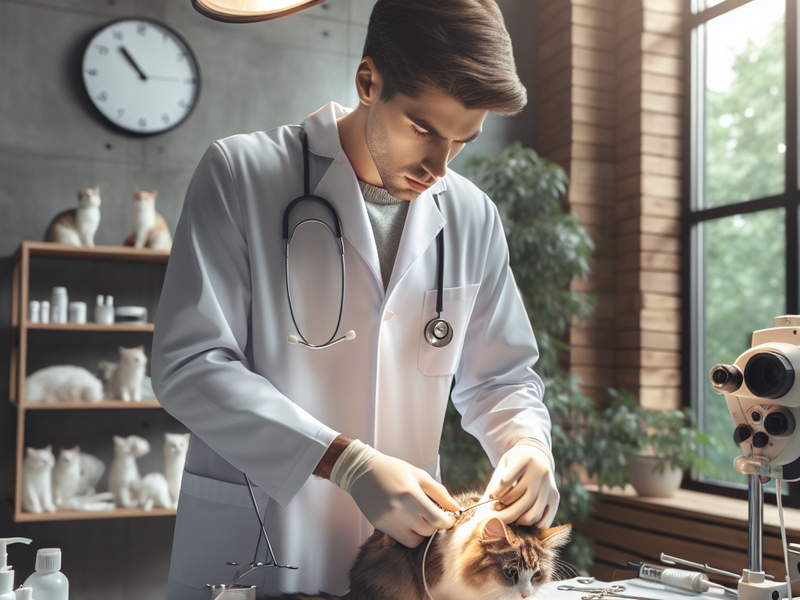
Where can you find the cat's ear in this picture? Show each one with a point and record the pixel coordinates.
(493, 530)
(141, 347)
(48, 448)
(556, 537)
(77, 449)
(31, 451)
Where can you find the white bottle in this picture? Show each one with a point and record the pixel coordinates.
(24, 593)
(48, 582)
(6, 574)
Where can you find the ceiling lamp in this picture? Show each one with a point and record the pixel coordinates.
(249, 11)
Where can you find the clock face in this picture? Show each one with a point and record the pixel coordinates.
(141, 75)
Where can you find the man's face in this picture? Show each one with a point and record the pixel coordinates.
(411, 140)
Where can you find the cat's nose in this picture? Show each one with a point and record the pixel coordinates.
(524, 595)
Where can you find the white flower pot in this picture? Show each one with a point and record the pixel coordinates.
(647, 480)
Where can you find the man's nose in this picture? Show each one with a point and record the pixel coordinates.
(436, 159)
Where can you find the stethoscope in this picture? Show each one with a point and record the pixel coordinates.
(438, 331)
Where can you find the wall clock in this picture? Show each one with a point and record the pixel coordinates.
(141, 75)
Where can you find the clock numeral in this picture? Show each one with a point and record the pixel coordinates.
(117, 35)
(165, 118)
(183, 104)
(164, 38)
(181, 56)
(102, 96)
(142, 122)
(101, 49)
(92, 72)
(120, 112)
(141, 28)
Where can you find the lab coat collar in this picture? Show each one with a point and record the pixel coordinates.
(323, 133)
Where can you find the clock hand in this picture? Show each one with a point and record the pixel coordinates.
(142, 76)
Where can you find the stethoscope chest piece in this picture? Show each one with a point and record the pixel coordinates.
(438, 332)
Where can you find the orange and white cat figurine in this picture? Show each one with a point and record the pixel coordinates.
(149, 227)
(77, 226)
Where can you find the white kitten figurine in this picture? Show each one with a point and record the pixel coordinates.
(124, 479)
(77, 226)
(125, 378)
(75, 476)
(154, 492)
(63, 383)
(149, 226)
(176, 445)
(37, 491)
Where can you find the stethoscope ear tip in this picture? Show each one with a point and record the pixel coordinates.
(293, 339)
(350, 335)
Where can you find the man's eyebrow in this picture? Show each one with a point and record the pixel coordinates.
(422, 123)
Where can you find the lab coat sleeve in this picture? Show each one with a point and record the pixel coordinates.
(497, 392)
(200, 368)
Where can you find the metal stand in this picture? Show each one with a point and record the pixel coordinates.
(755, 504)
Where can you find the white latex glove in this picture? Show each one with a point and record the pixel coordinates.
(397, 498)
(525, 485)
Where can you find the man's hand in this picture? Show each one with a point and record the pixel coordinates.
(397, 498)
(525, 484)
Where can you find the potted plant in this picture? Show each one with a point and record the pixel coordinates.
(661, 444)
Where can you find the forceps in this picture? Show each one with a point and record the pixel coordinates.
(599, 592)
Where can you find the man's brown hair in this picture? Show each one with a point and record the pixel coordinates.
(457, 46)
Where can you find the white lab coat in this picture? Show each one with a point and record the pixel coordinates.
(222, 365)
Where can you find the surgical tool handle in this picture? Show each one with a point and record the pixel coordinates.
(673, 560)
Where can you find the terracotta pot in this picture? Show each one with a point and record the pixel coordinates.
(647, 480)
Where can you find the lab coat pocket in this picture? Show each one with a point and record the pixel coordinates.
(457, 305)
(215, 524)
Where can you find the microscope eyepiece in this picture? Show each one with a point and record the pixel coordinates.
(769, 375)
(725, 379)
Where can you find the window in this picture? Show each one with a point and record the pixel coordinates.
(743, 192)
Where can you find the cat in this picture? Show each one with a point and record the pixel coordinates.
(124, 479)
(149, 227)
(154, 492)
(63, 383)
(37, 490)
(75, 475)
(125, 377)
(479, 557)
(176, 445)
(77, 226)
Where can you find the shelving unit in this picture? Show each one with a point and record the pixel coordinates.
(76, 268)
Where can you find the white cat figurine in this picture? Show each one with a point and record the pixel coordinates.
(37, 491)
(75, 475)
(63, 383)
(124, 479)
(149, 226)
(154, 492)
(125, 377)
(77, 226)
(176, 445)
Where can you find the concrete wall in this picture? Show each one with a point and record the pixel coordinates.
(52, 141)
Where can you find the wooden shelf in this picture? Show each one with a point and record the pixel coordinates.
(75, 515)
(117, 327)
(53, 250)
(102, 405)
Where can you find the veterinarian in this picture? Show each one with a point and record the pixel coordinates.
(369, 409)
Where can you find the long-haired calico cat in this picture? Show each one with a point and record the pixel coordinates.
(77, 226)
(478, 558)
(149, 227)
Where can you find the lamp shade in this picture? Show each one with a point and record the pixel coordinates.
(249, 11)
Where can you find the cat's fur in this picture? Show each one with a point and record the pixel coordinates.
(75, 475)
(37, 490)
(124, 479)
(63, 383)
(77, 226)
(149, 227)
(176, 445)
(125, 377)
(480, 557)
(154, 492)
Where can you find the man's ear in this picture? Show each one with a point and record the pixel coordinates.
(369, 82)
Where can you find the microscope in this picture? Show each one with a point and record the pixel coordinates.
(764, 401)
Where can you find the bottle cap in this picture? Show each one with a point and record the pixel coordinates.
(99, 299)
(24, 593)
(48, 559)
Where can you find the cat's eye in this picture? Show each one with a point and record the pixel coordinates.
(511, 573)
(537, 576)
